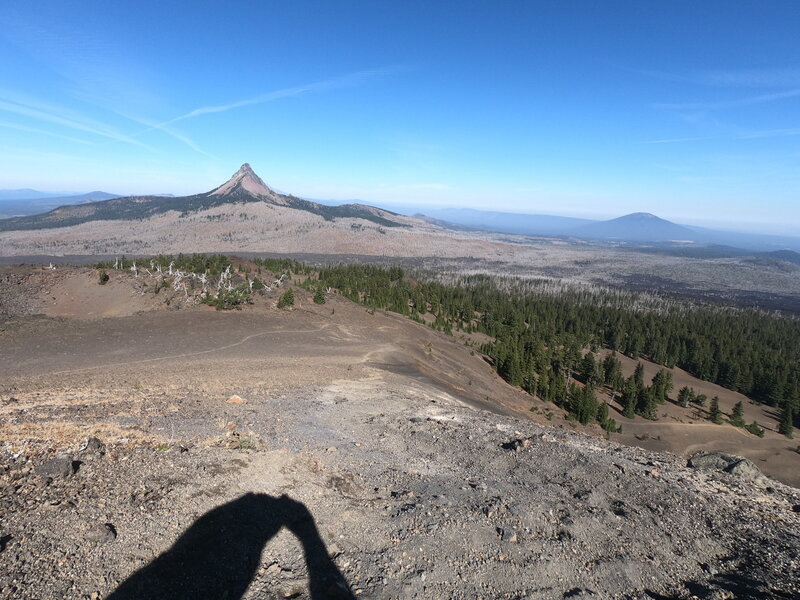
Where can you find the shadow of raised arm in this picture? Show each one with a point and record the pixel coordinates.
(217, 557)
(324, 578)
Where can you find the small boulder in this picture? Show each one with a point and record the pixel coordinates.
(93, 445)
(580, 593)
(60, 466)
(509, 535)
(729, 463)
(718, 461)
(745, 469)
(236, 399)
(102, 533)
(517, 445)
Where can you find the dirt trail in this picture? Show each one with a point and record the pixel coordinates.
(186, 354)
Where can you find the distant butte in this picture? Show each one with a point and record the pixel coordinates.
(246, 180)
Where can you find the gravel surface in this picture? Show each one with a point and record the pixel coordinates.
(393, 490)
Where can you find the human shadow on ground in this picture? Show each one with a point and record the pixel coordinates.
(217, 557)
(743, 581)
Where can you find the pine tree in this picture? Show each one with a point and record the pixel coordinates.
(629, 398)
(319, 297)
(602, 413)
(287, 299)
(786, 426)
(612, 372)
(589, 368)
(646, 403)
(586, 409)
(685, 396)
(737, 416)
(662, 385)
(638, 375)
(543, 385)
(714, 413)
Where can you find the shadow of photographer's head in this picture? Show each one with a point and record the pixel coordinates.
(217, 557)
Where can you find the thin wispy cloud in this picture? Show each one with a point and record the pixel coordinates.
(738, 103)
(171, 131)
(772, 133)
(774, 77)
(56, 116)
(165, 128)
(771, 77)
(317, 86)
(18, 127)
(98, 67)
(682, 139)
(749, 135)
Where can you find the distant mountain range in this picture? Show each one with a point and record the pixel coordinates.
(641, 230)
(245, 186)
(29, 194)
(502, 222)
(31, 202)
(635, 228)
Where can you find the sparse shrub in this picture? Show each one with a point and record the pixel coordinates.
(287, 299)
(606, 422)
(229, 300)
(238, 441)
(247, 442)
(755, 429)
(103, 278)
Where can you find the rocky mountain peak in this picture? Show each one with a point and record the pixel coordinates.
(244, 180)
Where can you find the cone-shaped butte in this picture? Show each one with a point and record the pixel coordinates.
(244, 180)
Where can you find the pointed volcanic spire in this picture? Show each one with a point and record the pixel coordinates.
(244, 180)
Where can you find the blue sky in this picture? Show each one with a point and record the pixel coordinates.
(688, 110)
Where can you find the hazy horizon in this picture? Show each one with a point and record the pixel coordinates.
(586, 111)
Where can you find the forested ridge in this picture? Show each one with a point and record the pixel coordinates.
(545, 335)
(541, 327)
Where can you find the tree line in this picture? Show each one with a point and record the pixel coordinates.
(540, 331)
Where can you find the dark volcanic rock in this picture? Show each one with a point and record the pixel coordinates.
(60, 466)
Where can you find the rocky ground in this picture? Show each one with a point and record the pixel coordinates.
(414, 495)
(325, 452)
